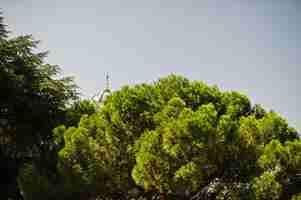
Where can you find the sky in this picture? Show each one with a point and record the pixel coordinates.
(249, 46)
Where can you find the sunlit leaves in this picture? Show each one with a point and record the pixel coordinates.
(273, 126)
(266, 187)
(236, 104)
(175, 137)
(296, 197)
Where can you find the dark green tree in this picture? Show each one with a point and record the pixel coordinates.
(32, 102)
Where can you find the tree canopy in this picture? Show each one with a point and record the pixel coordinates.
(179, 139)
(171, 139)
(32, 102)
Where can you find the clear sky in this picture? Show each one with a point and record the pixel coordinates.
(252, 46)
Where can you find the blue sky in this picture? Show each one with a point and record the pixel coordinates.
(249, 46)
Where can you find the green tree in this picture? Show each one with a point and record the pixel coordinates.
(179, 139)
(32, 102)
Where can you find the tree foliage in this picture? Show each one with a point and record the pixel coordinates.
(32, 102)
(170, 139)
(177, 138)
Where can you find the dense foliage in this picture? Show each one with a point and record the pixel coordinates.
(32, 102)
(177, 139)
(171, 139)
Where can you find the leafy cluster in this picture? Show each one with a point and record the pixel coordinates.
(180, 139)
(33, 100)
(171, 139)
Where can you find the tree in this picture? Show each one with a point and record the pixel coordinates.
(32, 103)
(171, 139)
(179, 139)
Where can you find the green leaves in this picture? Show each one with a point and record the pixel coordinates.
(30, 90)
(178, 139)
(266, 187)
(286, 161)
(236, 104)
(296, 197)
(286, 157)
(182, 141)
(77, 110)
(174, 138)
(32, 102)
(273, 126)
(150, 171)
